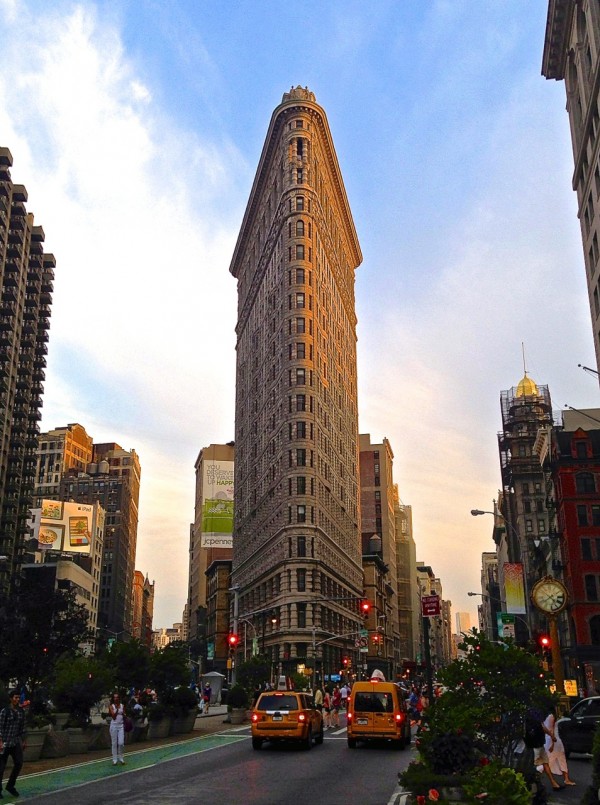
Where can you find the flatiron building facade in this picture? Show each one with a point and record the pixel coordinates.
(296, 542)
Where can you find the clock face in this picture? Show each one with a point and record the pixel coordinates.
(549, 595)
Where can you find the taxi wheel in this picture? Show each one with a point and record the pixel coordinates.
(319, 736)
(256, 743)
(309, 740)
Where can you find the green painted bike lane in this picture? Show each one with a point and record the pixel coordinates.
(33, 785)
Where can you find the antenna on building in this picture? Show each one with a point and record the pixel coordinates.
(524, 361)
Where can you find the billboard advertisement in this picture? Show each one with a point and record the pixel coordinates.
(65, 527)
(514, 588)
(217, 504)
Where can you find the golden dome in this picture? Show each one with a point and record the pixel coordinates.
(527, 387)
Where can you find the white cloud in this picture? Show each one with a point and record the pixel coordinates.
(144, 308)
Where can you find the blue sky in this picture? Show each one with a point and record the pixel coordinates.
(137, 128)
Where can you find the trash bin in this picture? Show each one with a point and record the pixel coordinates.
(224, 694)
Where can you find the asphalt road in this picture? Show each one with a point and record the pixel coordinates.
(224, 768)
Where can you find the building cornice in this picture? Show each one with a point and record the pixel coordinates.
(558, 25)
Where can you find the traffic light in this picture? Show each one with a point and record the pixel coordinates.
(345, 661)
(545, 642)
(232, 640)
(365, 608)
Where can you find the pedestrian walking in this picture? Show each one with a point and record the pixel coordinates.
(12, 729)
(535, 735)
(116, 712)
(336, 703)
(345, 691)
(206, 694)
(326, 708)
(319, 698)
(557, 759)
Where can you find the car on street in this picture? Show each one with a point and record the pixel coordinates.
(377, 711)
(577, 729)
(286, 715)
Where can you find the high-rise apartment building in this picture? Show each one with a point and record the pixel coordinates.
(572, 54)
(26, 277)
(296, 542)
(60, 450)
(113, 479)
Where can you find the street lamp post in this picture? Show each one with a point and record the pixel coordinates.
(497, 600)
(515, 536)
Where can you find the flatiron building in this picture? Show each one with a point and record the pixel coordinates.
(296, 542)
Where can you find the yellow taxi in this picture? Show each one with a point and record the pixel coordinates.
(377, 711)
(286, 715)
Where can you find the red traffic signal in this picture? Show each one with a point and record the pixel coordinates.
(232, 640)
(544, 641)
(365, 607)
(345, 661)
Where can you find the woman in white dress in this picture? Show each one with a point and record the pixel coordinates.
(555, 748)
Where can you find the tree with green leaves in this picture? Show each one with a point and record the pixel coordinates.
(129, 663)
(254, 672)
(80, 682)
(39, 624)
(169, 668)
(480, 720)
(490, 691)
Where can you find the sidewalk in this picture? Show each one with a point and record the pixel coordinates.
(205, 725)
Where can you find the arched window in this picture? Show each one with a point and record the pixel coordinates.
(300, 228)
(585, 482)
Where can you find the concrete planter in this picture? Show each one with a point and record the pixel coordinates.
(99, 737)
(238, 715)
(160, 728)
(79, 740)
(34, 743)
(183, 724)
(60, 720)
(56, 744)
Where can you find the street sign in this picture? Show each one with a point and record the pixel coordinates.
(430, 606)
(364, 632)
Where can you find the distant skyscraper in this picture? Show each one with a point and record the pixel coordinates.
(572, 53)
(214, 489)
(378, 535)
(296, 544)
(26, 277)
(463, 622)
(143, 608)
(409, 610)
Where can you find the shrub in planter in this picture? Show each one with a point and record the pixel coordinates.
(237, 698)
(501, 785)
(157, 711)
(181, 701)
